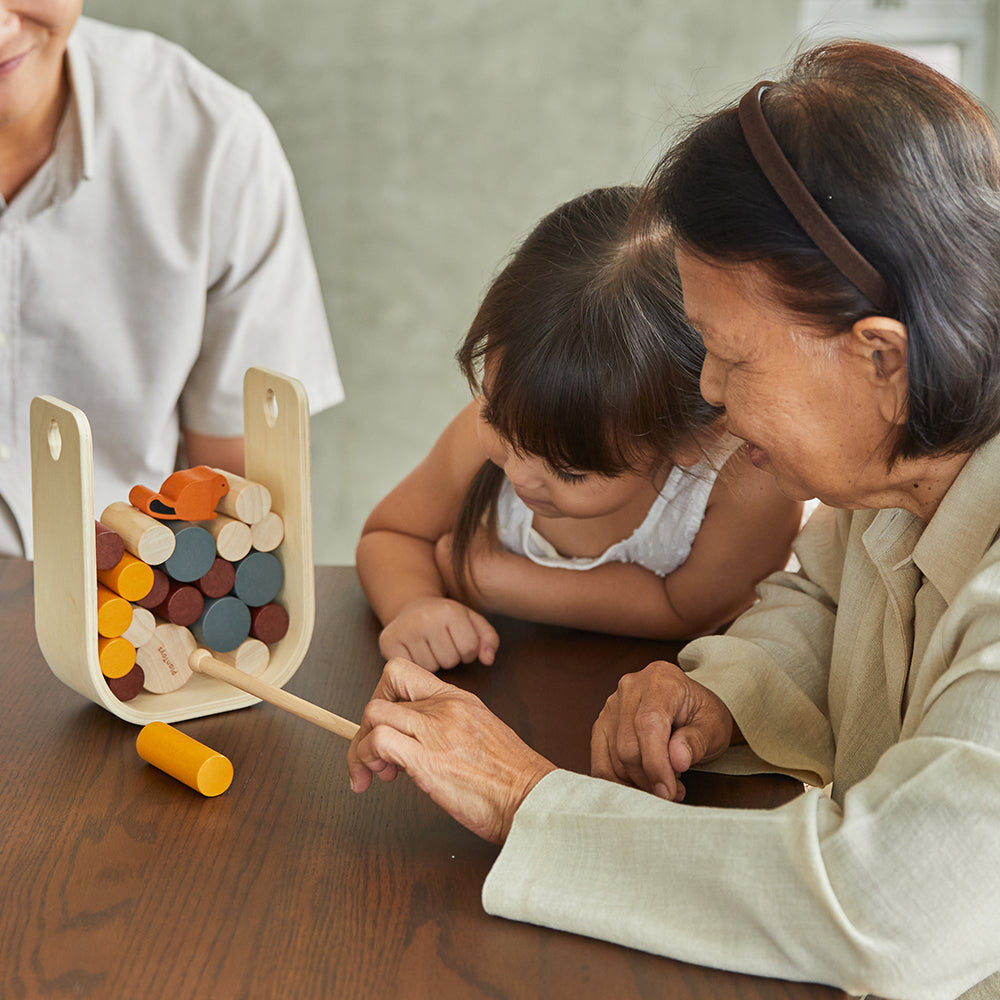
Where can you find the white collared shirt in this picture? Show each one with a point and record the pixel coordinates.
(156, 255)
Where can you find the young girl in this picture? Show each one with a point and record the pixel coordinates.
(587, 448)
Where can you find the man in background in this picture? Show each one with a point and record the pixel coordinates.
(152, 248)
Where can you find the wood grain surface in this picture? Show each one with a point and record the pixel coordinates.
(118, 882)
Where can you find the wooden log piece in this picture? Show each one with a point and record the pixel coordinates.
(109, 546)
(194, 552)
(223, 625)
(218, 581)
(145, 537)
(114, 613)
(233, 538)
(140, 631)
(164, 659)
(131, 578)
(268, 622)
(158, 592)
(184, 758)
(259, 577)
(246, 500)
(127, 687)
(250, 657)
(183, 604)
(202, 662)
(115, 655)
(267, 533)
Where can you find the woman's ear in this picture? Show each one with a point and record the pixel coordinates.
(880, 344)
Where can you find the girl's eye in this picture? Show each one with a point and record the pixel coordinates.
(569, 477)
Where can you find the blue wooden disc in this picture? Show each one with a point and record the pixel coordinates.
(193, 554)
(259, 577)
(223, 625)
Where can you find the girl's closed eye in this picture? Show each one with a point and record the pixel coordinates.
(567, 476)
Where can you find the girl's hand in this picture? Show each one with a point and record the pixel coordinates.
(438, 633)
(654, 727)
(450, 744)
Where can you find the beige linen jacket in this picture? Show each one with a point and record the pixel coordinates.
(876, 668)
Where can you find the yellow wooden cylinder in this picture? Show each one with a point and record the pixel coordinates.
(177, 754)
(116, 655)
(114, 613)
(131, 578)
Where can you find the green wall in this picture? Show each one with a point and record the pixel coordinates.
(427, 137)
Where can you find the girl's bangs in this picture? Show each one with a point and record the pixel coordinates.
(559, 412)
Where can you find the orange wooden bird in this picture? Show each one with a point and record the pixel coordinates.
(186, 495)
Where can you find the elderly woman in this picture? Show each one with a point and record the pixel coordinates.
(839, 250)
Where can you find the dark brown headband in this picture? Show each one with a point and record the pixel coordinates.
(804, 208)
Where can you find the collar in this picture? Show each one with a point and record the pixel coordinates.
(72, 159)
(75, 142)
(965, 524)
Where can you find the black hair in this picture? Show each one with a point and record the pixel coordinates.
(585, 354)
(906, 164)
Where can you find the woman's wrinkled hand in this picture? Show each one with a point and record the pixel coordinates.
(468, 761)
(654, 727)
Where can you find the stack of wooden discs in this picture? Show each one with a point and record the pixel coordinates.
(167, 586)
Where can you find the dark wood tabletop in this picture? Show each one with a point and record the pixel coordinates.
(118, 882)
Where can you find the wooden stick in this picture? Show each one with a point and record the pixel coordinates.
(201, 661)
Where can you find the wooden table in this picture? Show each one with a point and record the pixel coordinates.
(118, 882)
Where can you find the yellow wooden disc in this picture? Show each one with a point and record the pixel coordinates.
(215, 775)
(135, 581)
(115, 655)
(114, 613)
(131, 578)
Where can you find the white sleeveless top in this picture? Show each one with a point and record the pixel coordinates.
(661, 543)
